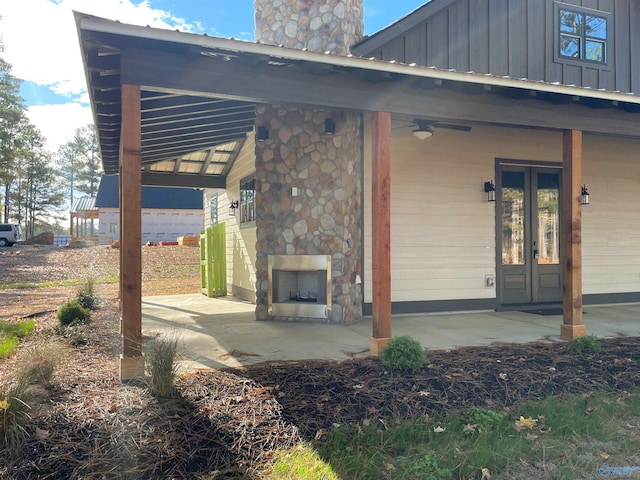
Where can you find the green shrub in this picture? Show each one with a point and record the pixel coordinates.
(72, 313)
(86, 297)
(160, 363)
(404, 354)
(583, 345)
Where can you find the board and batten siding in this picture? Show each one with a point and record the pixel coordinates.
(241, 240)
(443, 228)
(512, 38)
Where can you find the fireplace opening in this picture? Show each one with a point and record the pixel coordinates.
(299, 286)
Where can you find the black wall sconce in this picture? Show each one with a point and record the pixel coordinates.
(262, 133)
(329, 126)
(584, 199)
(232, 208)
(490, 190)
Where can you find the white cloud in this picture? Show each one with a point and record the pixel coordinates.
(41, 44)
(41, 39)
(59, 122)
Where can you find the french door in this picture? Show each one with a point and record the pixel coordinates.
(528, 228)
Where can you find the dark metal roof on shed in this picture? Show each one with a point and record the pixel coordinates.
(152, 197)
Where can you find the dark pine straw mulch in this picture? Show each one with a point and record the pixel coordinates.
(231, 421)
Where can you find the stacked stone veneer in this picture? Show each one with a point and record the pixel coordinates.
(326, 216)
(317, 25)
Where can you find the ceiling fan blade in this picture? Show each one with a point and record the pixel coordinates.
(450, 126)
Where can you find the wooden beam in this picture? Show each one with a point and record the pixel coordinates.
(572, 326)
(381, 231)
(131, 363)
(183, 180)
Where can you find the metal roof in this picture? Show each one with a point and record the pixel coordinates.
(152, 197)
(83, 204)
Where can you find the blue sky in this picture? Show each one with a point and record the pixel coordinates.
(50, 63)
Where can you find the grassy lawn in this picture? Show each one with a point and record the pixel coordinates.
(10, 333)
(564, 436)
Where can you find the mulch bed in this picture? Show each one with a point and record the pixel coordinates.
(317, 394)
(89, 425)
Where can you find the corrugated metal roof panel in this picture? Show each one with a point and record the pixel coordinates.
(83, 203)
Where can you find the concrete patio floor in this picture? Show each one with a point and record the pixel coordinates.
(222, 332)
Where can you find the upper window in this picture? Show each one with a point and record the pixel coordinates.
(247, 200)
(582, 35)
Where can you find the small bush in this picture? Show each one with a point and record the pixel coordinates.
(160, 363)
(584, 345)
(404, 354)
(86, 297)
(72, 313)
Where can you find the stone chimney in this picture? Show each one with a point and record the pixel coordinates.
(317, 25)
(324, 217)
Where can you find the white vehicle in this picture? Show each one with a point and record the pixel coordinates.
(9, 234)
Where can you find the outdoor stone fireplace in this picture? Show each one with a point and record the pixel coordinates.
(300, 286)
(308, 180)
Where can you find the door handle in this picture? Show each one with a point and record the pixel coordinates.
(535, 254)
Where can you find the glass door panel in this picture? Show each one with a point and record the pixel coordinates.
(548, 203)
(513, 245)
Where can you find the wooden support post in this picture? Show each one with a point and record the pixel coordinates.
(572, 326)
(131, 363)
(381, 231)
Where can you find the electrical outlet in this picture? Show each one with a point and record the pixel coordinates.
(489, 281)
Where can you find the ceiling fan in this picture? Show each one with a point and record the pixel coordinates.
(423, 129)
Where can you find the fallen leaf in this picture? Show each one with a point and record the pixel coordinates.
(4, 403)
(389, 467)
(524, 423)
(486, 474)
(320, 433)
(439, 429)
(503, 376)
(531, 436)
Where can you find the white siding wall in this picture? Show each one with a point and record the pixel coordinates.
(241, 240)
(157, 225)
(611, 223)
(443, 229)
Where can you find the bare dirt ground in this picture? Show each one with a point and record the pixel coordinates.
(84, 423)
(165, 270)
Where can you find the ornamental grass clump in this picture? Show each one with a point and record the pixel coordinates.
(72, 313)
(160, 358)
(404, 354)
